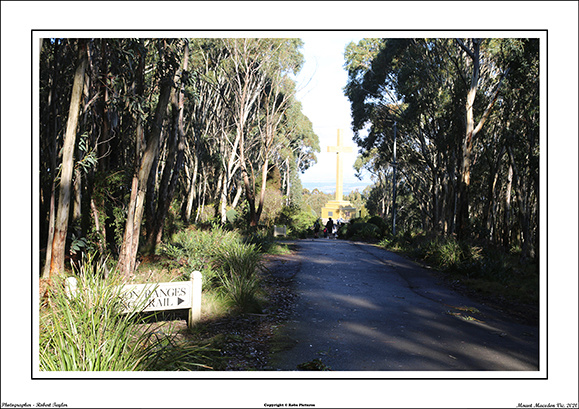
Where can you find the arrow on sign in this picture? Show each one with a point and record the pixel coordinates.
(179, 301)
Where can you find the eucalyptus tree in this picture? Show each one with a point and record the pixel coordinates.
(99, 147)
(479, 63)
(175, 145)
(297, 148)
(57, 65)
(258, 69)
(195, 119)
(400, 84)
(455, 102)
(166, 69)
(509, 167)
(208, 122)
(277, 98)
(57, 253)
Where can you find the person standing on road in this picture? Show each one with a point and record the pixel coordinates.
(317, 229)
(330, 227)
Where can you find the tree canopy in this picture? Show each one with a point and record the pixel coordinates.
(165, 128)
(467, 116)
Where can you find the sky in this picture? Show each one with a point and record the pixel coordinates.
(320, 84)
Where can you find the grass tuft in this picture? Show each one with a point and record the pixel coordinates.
(87, 331)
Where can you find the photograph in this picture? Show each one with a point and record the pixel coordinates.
(341, 211)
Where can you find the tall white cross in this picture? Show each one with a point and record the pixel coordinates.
(339, 149)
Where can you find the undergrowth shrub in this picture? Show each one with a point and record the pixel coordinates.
(298, 221)
(361, 231)
(380, 223)
(198, 250)
(444, 252)
(229, 263)
(449, 254)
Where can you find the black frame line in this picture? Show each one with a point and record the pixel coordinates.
(545, 127)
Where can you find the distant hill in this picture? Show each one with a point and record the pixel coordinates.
(330, 187)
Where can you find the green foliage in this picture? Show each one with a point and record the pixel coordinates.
(487, 269)
(109, 196)
(343, 231)
(446, 253)
(298, 220)
(118, 224)
(89, 158)
(239, 265)
(229, 262)
(360, 231)
(86, 331)
(173, 222)
(315, 200)
(78, 244)
(207, 214)
(231, 215)
(419, 84)
(380, 223)
(272, 206)
(199, 249)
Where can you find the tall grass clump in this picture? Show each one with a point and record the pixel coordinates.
(87, 331)
(445, 252)
(239, 265)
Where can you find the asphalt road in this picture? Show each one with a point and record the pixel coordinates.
(361, 308)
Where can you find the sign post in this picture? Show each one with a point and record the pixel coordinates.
(195, 310)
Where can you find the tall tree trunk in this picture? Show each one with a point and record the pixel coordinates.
(522, 197)
(223, 187)
(490, 205)
(77, 191)
(467, 142)
(192, 187)
(61, 225)
(262, 192)
(175, 156)
(249, 194)
(471, 132)
(507, 211)
(128, 253)
(238, 192)
(51, 222)
(52, 135)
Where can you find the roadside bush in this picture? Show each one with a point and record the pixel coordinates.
(343, 231)
(444, 252)
(198, 250)
(272, 206)
(380, 223)
(362, 231)
(488, 270)
(492, 265)
(262, 239)
(297, 220)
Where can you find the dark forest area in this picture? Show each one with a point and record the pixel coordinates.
(465, 115)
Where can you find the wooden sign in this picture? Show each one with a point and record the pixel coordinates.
(157, 296)
(179, 295)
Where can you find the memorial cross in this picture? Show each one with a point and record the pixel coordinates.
(339, 149)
